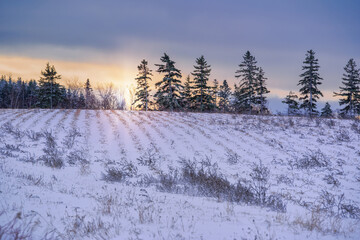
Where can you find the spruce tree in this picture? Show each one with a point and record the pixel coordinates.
(224, 96)
(81, 102)
(142, 93)
(261, 90)
(187, 93)
(238, 103)
(51, 93)
(202, 99)
(3, 85)
(215, 92)
(293, 105)
(32, 93)
(168, 89)
(5, 92)
(326, 111)
(89, 96)
(245, 93)
(68, 103)
(310, 79)
(350, 92)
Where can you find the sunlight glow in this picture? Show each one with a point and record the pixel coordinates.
(30, 68)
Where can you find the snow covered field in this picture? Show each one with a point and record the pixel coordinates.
(85, 174)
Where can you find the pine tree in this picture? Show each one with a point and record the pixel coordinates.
(350, 93)
(261, 90)
(245, 93)
(326, 111)
(293, 105)
(224, 97)
(168, 89)
(187, 93)
(143, 91)
(50, 92)
(202, 99)
(309, 82)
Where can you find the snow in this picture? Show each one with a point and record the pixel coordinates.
(75, 202)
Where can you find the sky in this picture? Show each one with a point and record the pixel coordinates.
(106, 40)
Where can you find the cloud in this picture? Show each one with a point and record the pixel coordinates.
(114, 36)
(30, 68)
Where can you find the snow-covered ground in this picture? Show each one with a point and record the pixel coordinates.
(314, 172)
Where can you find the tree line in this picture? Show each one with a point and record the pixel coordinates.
(248, 96)
(195, 93)
(48, 93)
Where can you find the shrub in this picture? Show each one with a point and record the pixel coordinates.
(8, 150)
(337, 205)
(113, 175)
(350, 210)
(77, 156)
(119, 174)
(275, 203)
(52, 155)
(243, 193)
(203, 178)
(7, 128)
(314, 159)
(35, 136)
(169, 182)
(330, 179)
(284, 179)
(260, 178)
(232, 158)
(150, 157)
(29, 158)
(70, 138)
(128, 168)
(343, 135)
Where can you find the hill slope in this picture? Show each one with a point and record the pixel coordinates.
(157, 175)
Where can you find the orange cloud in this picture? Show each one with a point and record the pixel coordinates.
(30, 68)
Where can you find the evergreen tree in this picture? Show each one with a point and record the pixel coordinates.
(168, 89)
(68, 103)
(32, 93)
(215, 92)
(187, 93)
(309, 82)
(50, 92)
(293, 105)
(350, 93)
(326, 111)
(89, 96)
(224, 97)
(261, 90)
(245, 93)
(81, 103)
(202, 99)
(143, 91)
(3, 87)
(238, 103)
